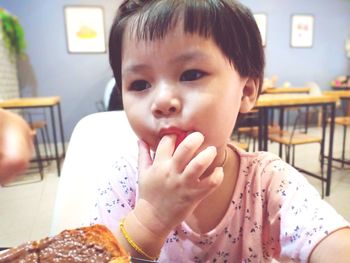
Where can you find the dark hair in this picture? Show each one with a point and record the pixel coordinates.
(230, 24)
(115, 100)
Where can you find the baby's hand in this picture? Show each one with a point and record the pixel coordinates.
(172, 185)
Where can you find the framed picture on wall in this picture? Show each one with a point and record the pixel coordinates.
(85, 29)
(261, 20)
(302, 30)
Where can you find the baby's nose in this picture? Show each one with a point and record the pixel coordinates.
(166, 102)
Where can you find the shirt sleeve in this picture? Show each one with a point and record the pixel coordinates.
(297, 214)
(115, 194)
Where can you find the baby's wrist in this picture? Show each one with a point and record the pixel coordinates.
(145, 214)
(141, 240)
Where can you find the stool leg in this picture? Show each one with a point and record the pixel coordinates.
(45, 144)
(321, 159)
(322, 183)
(48, 140)
(287, 153)
(343, 150)
(38, 156)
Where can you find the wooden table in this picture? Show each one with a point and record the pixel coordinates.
(42, 102)
(278, 90)
(268, 102)
(342, 94)
(274, 100)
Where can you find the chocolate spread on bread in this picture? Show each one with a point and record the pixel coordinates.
(86, 244)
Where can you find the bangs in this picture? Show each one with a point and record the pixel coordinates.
(230, 24)
(156, 19)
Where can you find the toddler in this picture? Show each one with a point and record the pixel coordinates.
(186, 69)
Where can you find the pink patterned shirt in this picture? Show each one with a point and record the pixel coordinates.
(274, 213)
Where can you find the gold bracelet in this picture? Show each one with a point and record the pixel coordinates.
(132, 243)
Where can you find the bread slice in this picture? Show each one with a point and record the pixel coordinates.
(87, 244)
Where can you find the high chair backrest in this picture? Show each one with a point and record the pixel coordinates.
(95, 142)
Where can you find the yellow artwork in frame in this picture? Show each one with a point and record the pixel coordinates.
(85, 29)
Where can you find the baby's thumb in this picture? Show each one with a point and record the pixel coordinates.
(144, 160)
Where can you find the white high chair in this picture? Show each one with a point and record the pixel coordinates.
(96, 140)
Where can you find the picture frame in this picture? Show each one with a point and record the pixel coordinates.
(85, 30)
(261, 21)
(302, 30)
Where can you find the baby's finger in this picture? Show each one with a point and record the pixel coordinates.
(165, 148)
(186, 150)
(199, 164)
(144, 157)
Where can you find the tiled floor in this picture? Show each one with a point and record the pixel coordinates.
(26, 210)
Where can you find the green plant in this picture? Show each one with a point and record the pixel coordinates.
(12, 33)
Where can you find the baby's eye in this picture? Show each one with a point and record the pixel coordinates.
(191, 75)
(139, 85)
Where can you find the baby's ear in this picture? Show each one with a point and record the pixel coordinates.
(250, 95)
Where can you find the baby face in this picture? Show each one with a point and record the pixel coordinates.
(177, 85)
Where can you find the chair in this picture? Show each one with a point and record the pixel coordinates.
(95, 142)
(290, 139)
